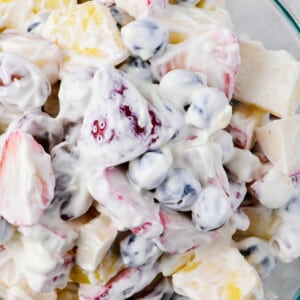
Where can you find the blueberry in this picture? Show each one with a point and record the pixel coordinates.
(138, 251)
(209, 109)
(179, 191)
(211, 209)
(151, 169)
(145, 38)
(248, 251)
(257, 252)
(138, 68)
(293, 206)
(177, 86)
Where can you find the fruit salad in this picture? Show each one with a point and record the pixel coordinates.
(146, 152)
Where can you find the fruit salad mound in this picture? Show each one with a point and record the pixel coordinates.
(146, 152)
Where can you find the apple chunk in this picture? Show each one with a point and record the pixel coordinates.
(268, 79)
(280, 141)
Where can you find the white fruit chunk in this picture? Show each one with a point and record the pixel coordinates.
(274, 189)
(268, 79)
(95, 239)
(280, 141)
(244, 165)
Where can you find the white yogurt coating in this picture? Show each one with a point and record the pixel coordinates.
(23, 85)
(24, 160)
(151, 182)
(145, 38)
(41, 52)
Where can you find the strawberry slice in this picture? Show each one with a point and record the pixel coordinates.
(119, 124)
(26, 179)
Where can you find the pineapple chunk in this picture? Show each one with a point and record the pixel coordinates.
(244, 165)
(268, 79)
(280, 141)
(263, 222)
(274, 189)
(185, 21)
(218, 275)
(50, 5)
(87, 35)
(95, 239)
(17, 14)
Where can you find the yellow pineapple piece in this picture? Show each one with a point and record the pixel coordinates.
(70, 292)
(170, 264)
(263, 221)
(15, 14)
(79, 275)
(95, 239)
(184, 22)
(42, 5)
(87, 35)
(111, 264)
(218, 273)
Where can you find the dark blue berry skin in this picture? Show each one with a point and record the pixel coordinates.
(145, 38)
(211, 210)
(32, 26)
(257, 252)
(137, 251)
(179, 191)
(138, 68)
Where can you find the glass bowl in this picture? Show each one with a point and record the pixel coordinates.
(275, 23)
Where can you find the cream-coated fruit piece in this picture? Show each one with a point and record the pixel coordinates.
(244, 165)
(23, 85)
(218, 274)
(95, 239)
(214, 52)
(274, 189)
(87, 35)
(33, 174)
(279, 140)
(17, 14)
(245, 118)
(184, 22)
(268, 79)
(41, 52)
(145, 193)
